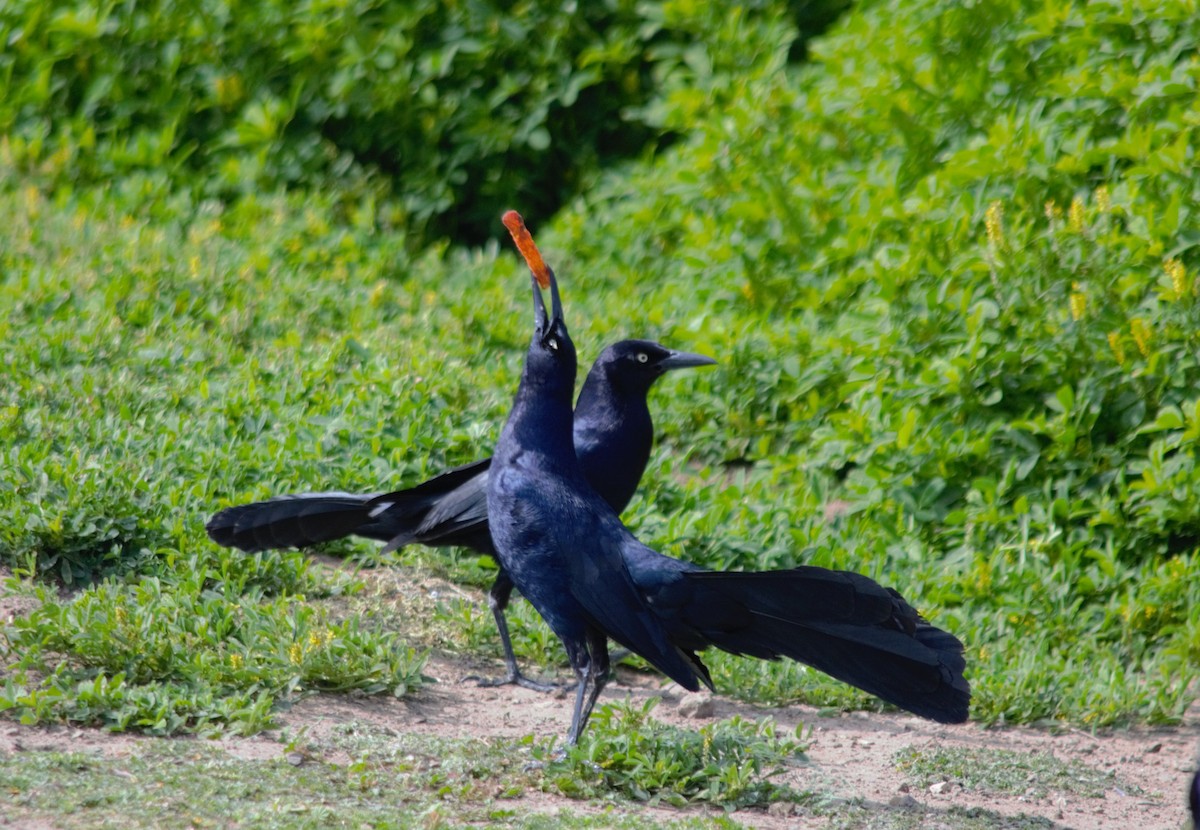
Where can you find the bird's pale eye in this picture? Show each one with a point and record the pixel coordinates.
(642, 357)
(552, 344)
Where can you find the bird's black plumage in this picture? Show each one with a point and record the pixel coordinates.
(1194, 800)
(591, 580)
(613, 435)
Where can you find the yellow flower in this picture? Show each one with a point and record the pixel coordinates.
(1141, 335)
(1114, 343)
(328, 636)
(236, 661)
(121, 614)
(1178, 276)
(315, 639)
(1075, 216)
(993, 224)
(1052, 210)
(229, 90)
(1103, 199)
(33, 201)
(1077, 302)
(295, 653)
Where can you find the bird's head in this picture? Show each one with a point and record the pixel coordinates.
(551, 353)
(634, 365)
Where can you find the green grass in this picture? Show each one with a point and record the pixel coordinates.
(167, 657)
(1005, 771)
(392, 782)
(860, 817)
(626, 751)
(948, 269)
(949, 272)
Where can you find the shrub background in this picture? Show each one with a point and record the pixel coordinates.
(439, 110)
(948, 267)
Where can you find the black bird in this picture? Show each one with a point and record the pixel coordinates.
(613, 436)
(1194, 800)
(591, 580)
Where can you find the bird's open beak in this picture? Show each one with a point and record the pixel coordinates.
(684, 360)
(541, 319)
(556, 312)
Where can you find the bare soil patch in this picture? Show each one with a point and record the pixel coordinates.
(851, 756)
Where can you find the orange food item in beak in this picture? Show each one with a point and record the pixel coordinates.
(525, 244)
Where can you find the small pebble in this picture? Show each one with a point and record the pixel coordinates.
(697, 706)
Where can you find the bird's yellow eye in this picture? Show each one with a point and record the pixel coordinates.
(642, 357)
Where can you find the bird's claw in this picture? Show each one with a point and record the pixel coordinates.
(556, 757)
(514, 679)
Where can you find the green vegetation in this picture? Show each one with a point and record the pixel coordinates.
(949, 269)
(1005, 771)
(434, 112)
(178, 656)
(951, 275)
(861, 817)
(390, 783)
(628, 752)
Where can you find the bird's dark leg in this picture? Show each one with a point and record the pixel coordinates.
(498, 597)
(592, 679)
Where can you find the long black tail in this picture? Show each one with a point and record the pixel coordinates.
(292, 521)
(842, 623)
(297, 521)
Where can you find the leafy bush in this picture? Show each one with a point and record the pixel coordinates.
(455, 108)
(950, 271)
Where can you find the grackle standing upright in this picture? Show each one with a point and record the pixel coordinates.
(568, 553)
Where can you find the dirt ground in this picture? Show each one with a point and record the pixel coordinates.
(850, 756)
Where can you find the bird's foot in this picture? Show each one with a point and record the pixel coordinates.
(515, 679)
(556, 757)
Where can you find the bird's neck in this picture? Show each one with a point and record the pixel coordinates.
(541, 420)
(613, 435)
(605, 400)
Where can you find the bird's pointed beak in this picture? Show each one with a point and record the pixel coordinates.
(543, 276)
(684, 360)
(541, 320)
(556, 312)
